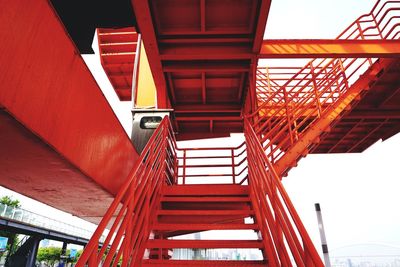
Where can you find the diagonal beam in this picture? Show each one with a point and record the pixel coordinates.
(330, 115)
(330, 48)
(145, 23)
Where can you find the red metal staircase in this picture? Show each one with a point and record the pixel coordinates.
(156, 204)
(297, 107)
(165, 195)
(118, 50)
(195, 208)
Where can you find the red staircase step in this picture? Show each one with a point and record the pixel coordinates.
(205, 199)
(193, 208)
(121, 58)
(202, 263)
(204, 212)
(202, 227)
(168, 243)
(204, 190)
(206, 206)
(117, 36)
(119, 47)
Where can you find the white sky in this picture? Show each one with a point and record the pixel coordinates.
(359, 193)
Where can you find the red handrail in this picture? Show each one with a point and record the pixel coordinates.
(291, 99)
(284, 235)
(225, 165)
(134, 204)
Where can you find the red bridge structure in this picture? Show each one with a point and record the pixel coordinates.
(191, 69)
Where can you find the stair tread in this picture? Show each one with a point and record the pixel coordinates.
(205, 199)
(203, 227)
(208, 263)
(206, 190)
(174, 243)
(205, 212)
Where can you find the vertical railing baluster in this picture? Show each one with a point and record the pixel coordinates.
(184, 168)
(343, 71)
(288, 114)
(315, 89)
(233, 166)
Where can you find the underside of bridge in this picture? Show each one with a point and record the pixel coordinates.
(197, 60)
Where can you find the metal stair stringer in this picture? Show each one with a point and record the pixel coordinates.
(321, 125)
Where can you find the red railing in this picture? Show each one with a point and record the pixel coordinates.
(212, 165)
(161, 164)
(284, 235)
(129, 215)
(291, 99)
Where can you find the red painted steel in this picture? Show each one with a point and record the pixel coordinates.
(46, 86)
(203, 56)
(154, 200)
(31, 167)
(223, 165)
(131, 220)
(118, 50)
(198, 208)
(279, 222)
(200, 54)
(339, 48)
(375, 116)
(297, 105)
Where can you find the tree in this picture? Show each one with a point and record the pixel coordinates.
(10, 202)
(12, 237)
(49, 255)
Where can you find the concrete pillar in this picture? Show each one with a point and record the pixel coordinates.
(31, 261)
(63, 256)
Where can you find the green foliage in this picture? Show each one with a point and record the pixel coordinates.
(7, 200)
(12, 237)
(51, 255)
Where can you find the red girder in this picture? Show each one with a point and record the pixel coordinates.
(308, 109)
(200, 54)
(46, 86)
(338, 48)
(117, 48)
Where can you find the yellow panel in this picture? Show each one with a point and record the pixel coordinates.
(146, 89)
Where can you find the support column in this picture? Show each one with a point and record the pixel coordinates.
(63, 256)
(31, 261)
(10, 243)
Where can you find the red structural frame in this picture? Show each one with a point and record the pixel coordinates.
(203, 56)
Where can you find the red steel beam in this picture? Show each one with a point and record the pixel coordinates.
(46, 85)
(329, 48)
(221, 118)
(206, 52)
(145, 23)
(370, 133)
(260, 28)
(374, 114)
(188, 67)
(346, 135)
